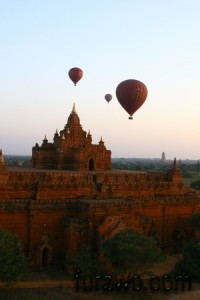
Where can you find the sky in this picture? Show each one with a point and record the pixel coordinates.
(156, 42)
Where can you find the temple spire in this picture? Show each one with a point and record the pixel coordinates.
(175, 167)
(101, 142)
(74, 109)
(89, 137)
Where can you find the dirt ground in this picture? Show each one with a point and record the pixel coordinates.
(167, 266)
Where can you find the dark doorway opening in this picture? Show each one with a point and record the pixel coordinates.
(45, 257)
(34, 162)
(91, 164)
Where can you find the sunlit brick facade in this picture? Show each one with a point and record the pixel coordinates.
(72, 196)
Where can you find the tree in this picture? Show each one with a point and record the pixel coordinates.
(190, 264)
(195, 185)
(12, 261)
(195, 221)
(131, 251)
(87, 261)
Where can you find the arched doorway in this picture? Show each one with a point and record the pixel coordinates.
(44, 253)
(91, 164)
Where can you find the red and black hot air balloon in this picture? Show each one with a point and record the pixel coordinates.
(131, 94)
(75, 74)
(108, 97)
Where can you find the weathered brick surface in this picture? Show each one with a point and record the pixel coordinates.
(55, 211)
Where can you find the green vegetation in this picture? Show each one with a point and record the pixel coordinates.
(140, 164)
(190, 264)
(195, 184)
(130, 251)
(89, 262)
(195, 221)
(18, 160)
(12, 261)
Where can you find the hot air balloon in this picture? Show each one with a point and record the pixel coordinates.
(108, 97)
(75, 74)
(131, 94)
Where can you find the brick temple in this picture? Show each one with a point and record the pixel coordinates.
(72, 196)
(72, 149)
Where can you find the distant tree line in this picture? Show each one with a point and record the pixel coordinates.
(18, 160)
(155, 165)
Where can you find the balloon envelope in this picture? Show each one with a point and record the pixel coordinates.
(75, 74)
(108, 97)
(131, 94)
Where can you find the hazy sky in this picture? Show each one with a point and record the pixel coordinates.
(156, 42)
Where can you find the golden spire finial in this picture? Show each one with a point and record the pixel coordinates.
(74, 108)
